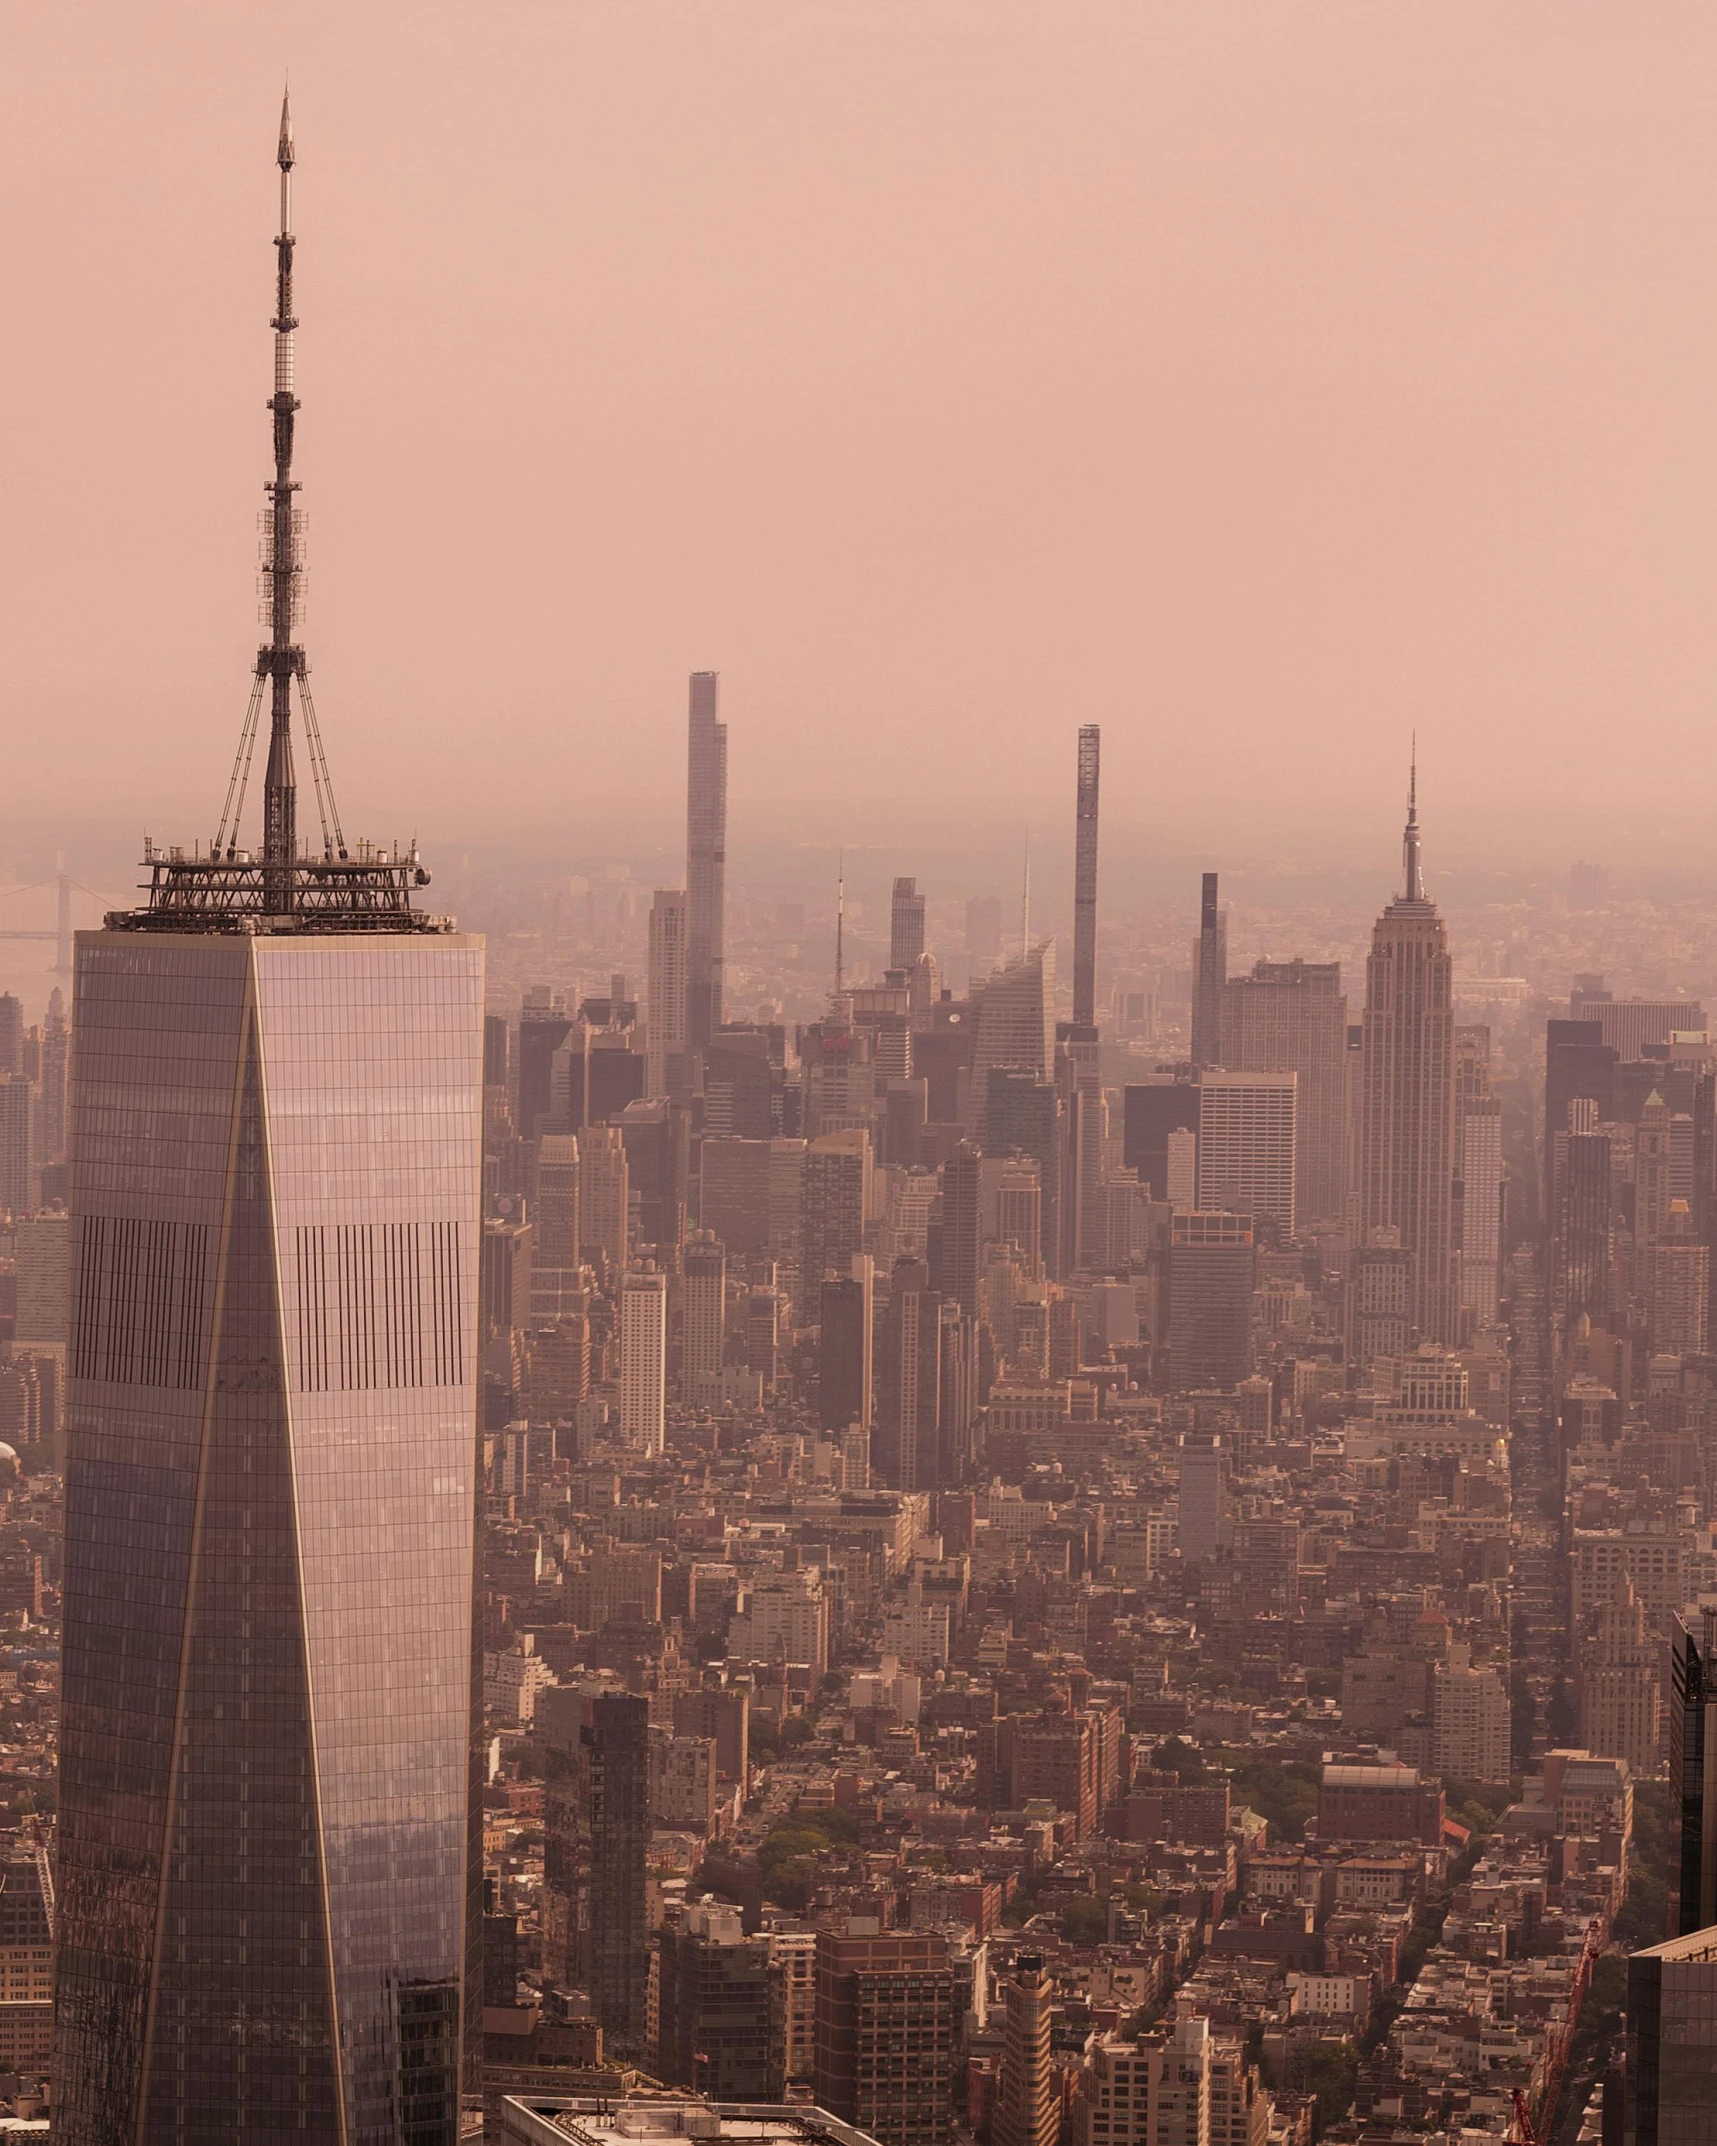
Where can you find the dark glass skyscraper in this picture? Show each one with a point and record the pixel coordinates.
(270, 1485)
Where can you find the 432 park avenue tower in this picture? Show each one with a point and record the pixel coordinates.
(265, 1864)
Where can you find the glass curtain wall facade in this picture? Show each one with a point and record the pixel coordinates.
(270, 1526)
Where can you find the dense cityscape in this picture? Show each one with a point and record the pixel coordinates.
(684, 1512)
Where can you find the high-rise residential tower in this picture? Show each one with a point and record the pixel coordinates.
(643, 1359)
(265, 1760)
(706, 862)
(905, 925)
(1209, 974)
(665, 1034)
(1085, 880)
(1407, 1101)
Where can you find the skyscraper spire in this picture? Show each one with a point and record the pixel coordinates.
(1413, 889)
(278, 660)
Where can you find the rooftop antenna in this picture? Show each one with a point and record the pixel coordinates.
(281, 660)
(1414, 886)
(1025, 899)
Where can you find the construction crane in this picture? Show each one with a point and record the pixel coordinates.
(1525, 2132)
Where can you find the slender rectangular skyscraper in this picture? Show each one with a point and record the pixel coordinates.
(1085, 881)
(1209, 974)
(706, 862)
(905, 925)
(665, 1040)
(265, 1785)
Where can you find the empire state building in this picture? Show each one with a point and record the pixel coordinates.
(1407, 1108)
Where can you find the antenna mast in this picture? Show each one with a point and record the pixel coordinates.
(281, 565)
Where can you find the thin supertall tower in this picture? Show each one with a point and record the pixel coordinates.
(1407, 1097)
(266, 1907)
(1085, 882)
(706, 862)
(1210, 973)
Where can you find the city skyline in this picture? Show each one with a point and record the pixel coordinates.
(1463, 459)
(888, 1423)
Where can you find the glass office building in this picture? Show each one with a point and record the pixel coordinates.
(270, 1520)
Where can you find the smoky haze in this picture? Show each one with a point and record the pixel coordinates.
(1263, 382)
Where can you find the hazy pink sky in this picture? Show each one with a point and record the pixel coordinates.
(1259, 379)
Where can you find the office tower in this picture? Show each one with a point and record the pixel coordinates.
(557, 1275)
(11, 1035)
(1671, 2043)
(983, 933)
(504, 1279)
(657, 1141)
(1630, 1025)
(906, 1447)
(1204, 1525)
(1621, 1684)
(596, 1843)
(544, 1026)
(905, 925)
(1085, 880)
(1693, 1770)
(1678, 1287)
(51, 1100)
(1291, 1016)
(962, 1226)
(703, 1325)
(844, 1361)
(733, 1194)
(43, 1319)
(666, 994)
(834, 1194)
(714, 2007)
(18, 1175)
(1209, 976)
(706, 862)
(1578, 1064)
(763, 1314)
(744, 1083)
(1478, 1233)
(1013, 1025)
(1210, 1301)
(888, 2012)
(604, 1197)
(1028, 2110)
(644, 1359)
(1408, 1097)
(1180, 1171)
(1149, 1115)
(265, 1779)
(1013, 1209)
(1580, 1223)
(1246, 1144)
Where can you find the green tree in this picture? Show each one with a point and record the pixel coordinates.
(1084, 1922)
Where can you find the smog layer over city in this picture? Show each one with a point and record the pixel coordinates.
(858, 1074)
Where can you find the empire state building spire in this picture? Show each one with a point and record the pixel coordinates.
(1413, 888)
